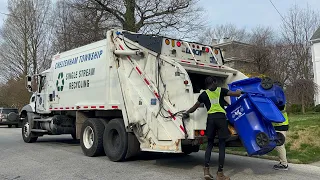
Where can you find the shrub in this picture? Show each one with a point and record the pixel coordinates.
(295, 108)
(317, 108)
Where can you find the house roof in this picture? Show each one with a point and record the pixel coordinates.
(225, 44)
(316, 35)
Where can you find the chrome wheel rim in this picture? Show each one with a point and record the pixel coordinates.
(88, 137)
(26, 129)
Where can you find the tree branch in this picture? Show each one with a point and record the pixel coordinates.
(170, 10)
(114, 12)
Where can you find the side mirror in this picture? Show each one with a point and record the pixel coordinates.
(28, 83)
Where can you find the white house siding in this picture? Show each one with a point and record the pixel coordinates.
(316, 68)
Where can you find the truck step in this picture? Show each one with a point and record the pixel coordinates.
(42, 120)
(39, 130)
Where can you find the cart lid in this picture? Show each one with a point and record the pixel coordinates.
(267, 108)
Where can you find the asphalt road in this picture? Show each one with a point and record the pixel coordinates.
(61, 158)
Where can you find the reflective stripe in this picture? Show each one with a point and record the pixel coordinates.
(214, 97)
(285, 115)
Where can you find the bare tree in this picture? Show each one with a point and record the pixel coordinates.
(15, 58)
(298, 26)
(262, 40)
(77, 25)
(230, 31)
(25, 47)
(26, 37)
(299, 92)
(151, 16)
(13, 93)
(280, 62)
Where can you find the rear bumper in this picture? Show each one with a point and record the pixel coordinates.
(232, 141)
(195, 141)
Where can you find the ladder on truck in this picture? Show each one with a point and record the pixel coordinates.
(122, 49)
(219, 67)
(194, 57)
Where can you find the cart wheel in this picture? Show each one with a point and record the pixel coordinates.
(262, 139)
(280, 139)
(266, 83)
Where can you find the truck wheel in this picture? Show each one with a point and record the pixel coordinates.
(115, 140)
(27, 135)
(10, 126)
(91, 139)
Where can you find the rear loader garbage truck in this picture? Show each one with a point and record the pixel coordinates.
(125, 94)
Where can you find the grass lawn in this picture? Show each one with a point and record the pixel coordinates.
(302, 142)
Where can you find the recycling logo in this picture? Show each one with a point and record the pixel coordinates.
(60, 82)
(237, 113)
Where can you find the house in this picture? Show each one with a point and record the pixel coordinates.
(315, 50)
(235, 54)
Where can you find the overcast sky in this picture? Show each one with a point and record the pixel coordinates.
(3, 9)
(243, 13)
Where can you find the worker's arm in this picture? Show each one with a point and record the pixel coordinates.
(193, 108)
(234, 93)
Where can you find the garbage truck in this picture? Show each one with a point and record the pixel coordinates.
(125, 94)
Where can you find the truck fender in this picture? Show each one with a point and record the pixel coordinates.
(26, 109)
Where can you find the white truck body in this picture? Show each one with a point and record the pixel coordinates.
(144, 80)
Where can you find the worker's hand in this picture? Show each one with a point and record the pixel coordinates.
(185, 115)
(239, 92)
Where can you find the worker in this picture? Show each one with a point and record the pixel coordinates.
(212, 98)
(282, 153)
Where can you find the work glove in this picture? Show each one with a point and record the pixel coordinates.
(185, 115)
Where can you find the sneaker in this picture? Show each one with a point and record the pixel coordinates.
(280, 167)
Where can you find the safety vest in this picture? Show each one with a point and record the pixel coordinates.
(214, 97)
(285, 115)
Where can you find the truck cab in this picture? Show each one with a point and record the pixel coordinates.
(39, 100)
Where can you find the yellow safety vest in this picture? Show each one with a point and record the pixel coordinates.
(285, 115)
(214, 97)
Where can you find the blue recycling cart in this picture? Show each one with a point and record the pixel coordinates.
(257, 85)
(252, 116)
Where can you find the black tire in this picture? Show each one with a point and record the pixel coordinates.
(262, 139)
(188, 149)
(97, 128)
(280, 139)
(115, 140)
(27, 137)
(9, 126)
(267, 83)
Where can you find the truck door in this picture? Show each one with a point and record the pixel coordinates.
(42, 95)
